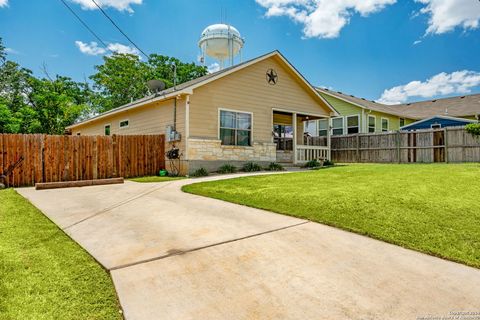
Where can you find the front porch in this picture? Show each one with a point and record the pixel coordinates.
(293, 143)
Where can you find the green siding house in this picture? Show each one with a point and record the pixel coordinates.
(358, 115)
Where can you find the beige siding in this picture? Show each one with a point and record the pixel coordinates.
(152, 118)
(247, 90)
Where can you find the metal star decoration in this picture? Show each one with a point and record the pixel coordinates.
(272, 77)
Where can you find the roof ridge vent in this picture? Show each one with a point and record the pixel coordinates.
(462, 97)
(434, 100)
(362, 98)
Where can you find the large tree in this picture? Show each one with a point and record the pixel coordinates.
(123, 77)
(39, 105)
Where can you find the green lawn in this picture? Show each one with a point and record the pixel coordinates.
(43, 273)
(433, 208)
(155, 179)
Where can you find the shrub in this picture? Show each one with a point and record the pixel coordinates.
(473, 129)
(200, 172)
(328, 163)
(251, 167)
(227, 168)
(273, 166)
(312, 164)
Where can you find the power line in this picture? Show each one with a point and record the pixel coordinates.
(85, 25)
(118, 28)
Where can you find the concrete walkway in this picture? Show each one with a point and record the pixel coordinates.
(179, 256)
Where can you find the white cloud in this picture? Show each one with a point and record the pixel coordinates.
(417, 42)
(120, 48)
(92, 48)
(3, 3)
(214, 67)
(322, 18)
(446, 15)
(458, 82)
(120, 5)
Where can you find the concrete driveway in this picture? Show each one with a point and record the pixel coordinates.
(178, 256)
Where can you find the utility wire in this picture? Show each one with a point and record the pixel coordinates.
(119, 29)
(85, 25)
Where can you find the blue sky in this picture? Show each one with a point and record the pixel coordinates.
(388, 50)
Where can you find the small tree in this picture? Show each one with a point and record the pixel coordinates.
(473, 129)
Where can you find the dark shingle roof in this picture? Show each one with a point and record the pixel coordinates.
(368, 104)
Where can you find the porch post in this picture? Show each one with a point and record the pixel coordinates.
(329, 139)
(294, 140)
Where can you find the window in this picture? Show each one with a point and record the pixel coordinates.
(337, 126)
(107, 130)
(323, 128)
(371, 124)
(310, 127)
(384, 125)
(436, 126)
(402, 122)
(352, 124)
(124, 124)
(235, 128)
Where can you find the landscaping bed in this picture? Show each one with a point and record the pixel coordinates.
(432, 208)
(43, 273)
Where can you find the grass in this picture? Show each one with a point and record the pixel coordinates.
(432, 208)
(43, 273)
(155, 179)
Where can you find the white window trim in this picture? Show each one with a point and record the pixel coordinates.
(388, 124)
(125, 127)
(346, 123)
(343, 125)
(374, 123)
(238, 111)
(106, 125)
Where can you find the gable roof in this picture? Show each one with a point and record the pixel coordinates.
(364, 103)
(452, 120)
(187, 87)
(459, 106)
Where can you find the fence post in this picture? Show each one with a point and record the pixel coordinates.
(397, 142)
(358, 148)
(446, 143)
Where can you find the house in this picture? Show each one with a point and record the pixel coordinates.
(358, 115)
(466, 106)
(437, 122)
(253, 111)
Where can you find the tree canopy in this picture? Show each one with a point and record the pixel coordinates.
(30, 104)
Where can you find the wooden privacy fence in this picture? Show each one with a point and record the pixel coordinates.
(48, 158)
(433, 145)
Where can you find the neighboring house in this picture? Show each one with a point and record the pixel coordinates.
(437, 122)
(253, 111)
(358, 115)
(467, 107)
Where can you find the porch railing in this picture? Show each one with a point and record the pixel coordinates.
(308, 153)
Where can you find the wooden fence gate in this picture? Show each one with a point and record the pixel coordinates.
(48, 158)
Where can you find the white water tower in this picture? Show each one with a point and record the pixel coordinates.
(221, 42)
